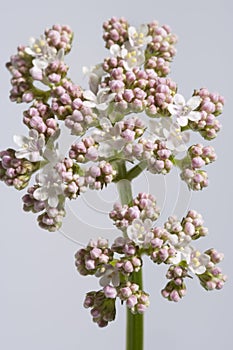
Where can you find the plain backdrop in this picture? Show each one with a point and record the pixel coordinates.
(41, 294)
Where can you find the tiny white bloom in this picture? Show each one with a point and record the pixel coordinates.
(30, 147)
(51, 186)
(95, 73)
(198, 262)
(140, 232)
(132, 56)
(49, 180)
(139, 37)
(109, 138)
(100, 101)
(43, 55)
(108, 274)
(170, 131)
(185, 111)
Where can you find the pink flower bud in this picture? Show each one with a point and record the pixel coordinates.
(131, 301)
(110, 292)
(174, 296)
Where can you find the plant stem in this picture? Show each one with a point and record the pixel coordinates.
(134, 324)
(134, 327)
(136, 170)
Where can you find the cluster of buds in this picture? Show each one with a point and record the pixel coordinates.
(41, 61)
(97, 254)
(213, 278)
(98, 176)
(114, 272)
(41, 118)
(198, 156)
(136, 300)
(115, 31)
(143, 207)
(175, 288)
(159, 249)
(84, 151)
(51, 219)
(161, 50)
(157, 155)
(211, 106)
(67, 105)
(191, 226)
(103, 309)
(14, 171)
(59, 37)
(72, 177)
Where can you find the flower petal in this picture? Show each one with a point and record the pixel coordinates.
(34, 156)
(182, 120)
(194, 116)
(115, 50)
(173, 109)
(20, 140)
(89, 104)
(88, 95)
(40, 194)
(179, 100)
(53, 201)
(193, 102)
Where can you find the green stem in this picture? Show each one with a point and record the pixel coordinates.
(136, 170)
(134, 327)
(134, 324)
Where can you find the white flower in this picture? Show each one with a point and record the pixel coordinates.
(108, 275)
(100, 101)
(30, 147)
(49, 180)
(169, 131)
(138, 37)
(185, 111)
(198, 262)
(51, 186)
(140, 232)
(132, 51)
(95, 73)
(109, 138)
(43, 55)
(132, 56)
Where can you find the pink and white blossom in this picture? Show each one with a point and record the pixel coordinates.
(31, 147)
(185, 111)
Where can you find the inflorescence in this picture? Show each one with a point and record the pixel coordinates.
(132, 117)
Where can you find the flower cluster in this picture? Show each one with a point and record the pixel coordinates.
(143, 207)
(116, 265)
(197, 157)
(130, 118)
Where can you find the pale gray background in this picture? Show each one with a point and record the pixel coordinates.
(41, 294)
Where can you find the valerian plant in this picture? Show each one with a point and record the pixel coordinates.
(131, 118)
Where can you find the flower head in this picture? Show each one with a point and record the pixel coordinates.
(170, 131)
(100, 101)
(140, 232)
(109, 275)
(30, 147)
(49, 180)
(185, 111)
(43, 54)
(139, 37)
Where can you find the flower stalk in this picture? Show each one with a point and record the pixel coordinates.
(134, 323)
